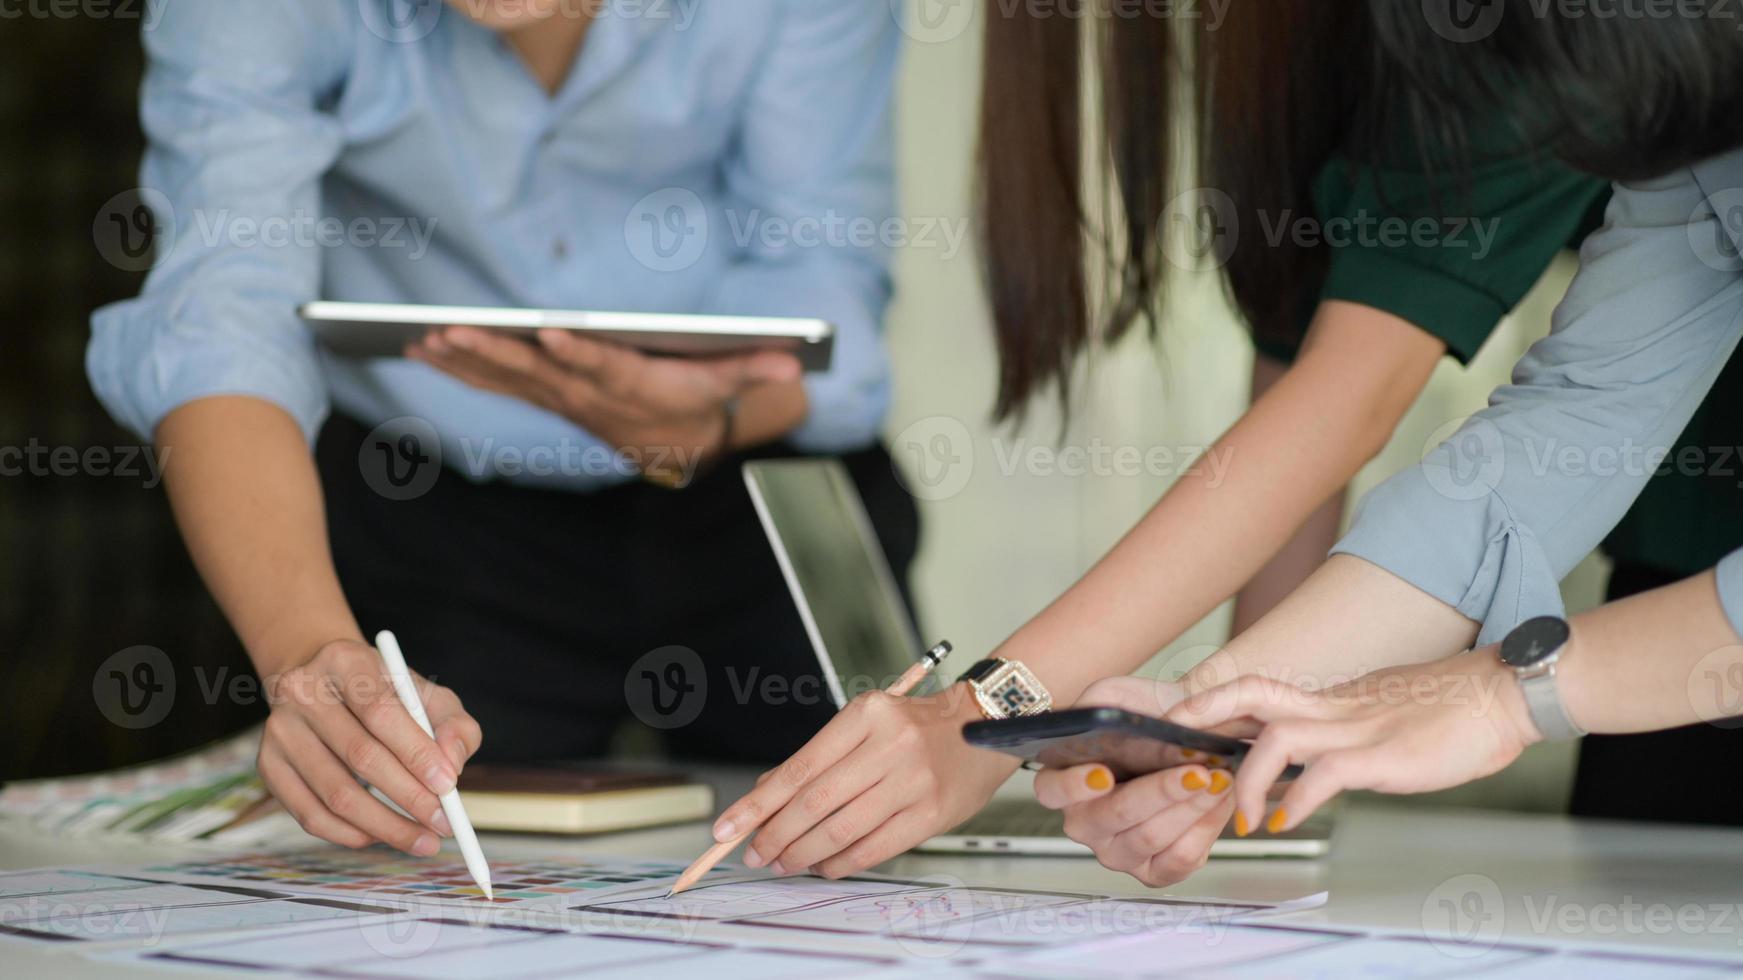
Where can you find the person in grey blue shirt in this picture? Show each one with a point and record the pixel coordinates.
(1472, 542)
(551, 528)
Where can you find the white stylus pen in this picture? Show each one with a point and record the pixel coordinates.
(401, 676)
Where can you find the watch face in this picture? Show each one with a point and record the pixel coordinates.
(1534, 640)
(1012, 691)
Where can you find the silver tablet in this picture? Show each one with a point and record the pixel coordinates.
(384, 329)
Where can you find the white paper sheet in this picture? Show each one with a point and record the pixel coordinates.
(150, 913)
(1247, 951)
(450, 949)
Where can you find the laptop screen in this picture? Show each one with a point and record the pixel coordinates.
(853, 612)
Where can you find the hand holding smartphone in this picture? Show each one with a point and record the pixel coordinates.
(1128, 743)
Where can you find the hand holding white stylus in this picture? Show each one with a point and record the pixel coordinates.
(407, 689)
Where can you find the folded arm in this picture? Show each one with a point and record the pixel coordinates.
(1477, 537)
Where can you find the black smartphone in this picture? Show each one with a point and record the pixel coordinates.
(1128, 743)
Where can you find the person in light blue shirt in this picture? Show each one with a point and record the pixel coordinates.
(535, 520)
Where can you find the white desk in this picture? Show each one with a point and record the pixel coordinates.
(1532, 878)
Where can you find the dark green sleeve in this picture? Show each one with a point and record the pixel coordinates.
(1451, 253)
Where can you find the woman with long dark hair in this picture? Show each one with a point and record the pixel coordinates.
(1471, 543)
(1293, 114)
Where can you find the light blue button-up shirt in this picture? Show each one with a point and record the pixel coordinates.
(704, 156)
(1492, 519)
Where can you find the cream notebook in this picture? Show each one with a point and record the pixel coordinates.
(559, 799)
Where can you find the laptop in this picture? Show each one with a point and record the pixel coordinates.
(863, 635)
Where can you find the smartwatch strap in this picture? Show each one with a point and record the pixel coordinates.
(1543, 700)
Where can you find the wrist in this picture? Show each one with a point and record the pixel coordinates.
(272, 660)
(960, 708)
(1507, 703)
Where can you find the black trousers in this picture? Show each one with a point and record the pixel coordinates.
(1681, 775)
(559, 616)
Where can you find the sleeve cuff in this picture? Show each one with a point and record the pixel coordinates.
(139, 386)
(1455, 311)
(1729, 576)
(1486, 565)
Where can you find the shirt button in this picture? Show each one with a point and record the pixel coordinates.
(560, 249)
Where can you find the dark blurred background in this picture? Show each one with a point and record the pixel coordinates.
(91, 565)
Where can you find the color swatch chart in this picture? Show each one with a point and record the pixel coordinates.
(382, 874)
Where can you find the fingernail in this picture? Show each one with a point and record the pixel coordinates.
(439, 780)
(1219, 781)
(425, 845)
(777, 869)
(1188, 753)
(439, 820)
(1213, 760)
(1278, 820)
(1099, 779)
(460, 340)
(1193, 780)
(752, 859)
(437, 343)
(725, 830)
(1241, 828)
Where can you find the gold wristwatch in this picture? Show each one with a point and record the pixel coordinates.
(1007, 689)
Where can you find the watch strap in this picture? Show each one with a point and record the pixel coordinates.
(1543, 701)
(980, 669)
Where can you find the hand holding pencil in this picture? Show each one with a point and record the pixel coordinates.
(909, 680)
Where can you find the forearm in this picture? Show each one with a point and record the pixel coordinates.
(1303, 553)
(1656, 660)
(1349, 618)
(1215, 529)
(246, 495)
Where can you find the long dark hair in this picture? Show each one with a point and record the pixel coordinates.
(1268, 97)
(1624, 97)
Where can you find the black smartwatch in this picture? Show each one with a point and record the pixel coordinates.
(1533, 650)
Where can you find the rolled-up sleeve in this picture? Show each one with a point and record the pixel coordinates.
(1729, 576)
(812, 178)
(238, 147)
(1494, 517)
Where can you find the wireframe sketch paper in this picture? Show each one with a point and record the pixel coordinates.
(375, 914)
(160, 908)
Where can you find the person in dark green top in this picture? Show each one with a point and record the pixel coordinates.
(1367, 248)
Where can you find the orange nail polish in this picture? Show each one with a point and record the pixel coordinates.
(1188, 754)
(1219, 781)
(1277, 822)
(1193, 781)
(1241, 828)
(1099, 779)
(1213, 760)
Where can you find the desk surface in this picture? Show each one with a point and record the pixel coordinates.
(1528, 878)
